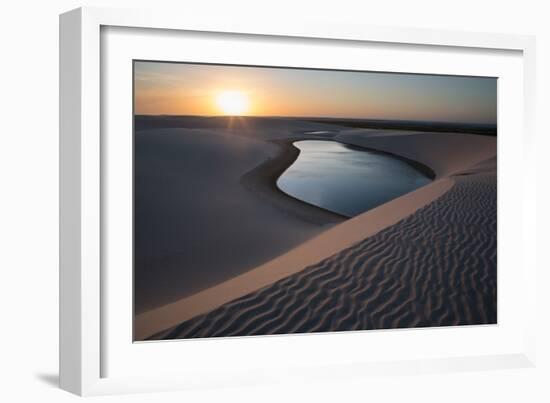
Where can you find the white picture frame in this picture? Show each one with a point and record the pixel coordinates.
(85, 346)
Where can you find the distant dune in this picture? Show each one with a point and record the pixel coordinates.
(444, 153)
(151, 121)
(413, 125)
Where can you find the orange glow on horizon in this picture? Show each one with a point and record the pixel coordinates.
(213, 90)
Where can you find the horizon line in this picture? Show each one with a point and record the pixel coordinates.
(321, 117)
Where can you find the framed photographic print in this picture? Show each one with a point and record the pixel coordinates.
(236, 200)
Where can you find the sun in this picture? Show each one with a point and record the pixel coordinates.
(232, 103)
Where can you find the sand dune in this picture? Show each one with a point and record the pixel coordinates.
(436, 267)
(426, 258)
(310, 252)
(196, 188)
(444, 153)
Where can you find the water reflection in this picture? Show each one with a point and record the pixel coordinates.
(347, 180)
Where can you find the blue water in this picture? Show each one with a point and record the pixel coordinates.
(347, 180)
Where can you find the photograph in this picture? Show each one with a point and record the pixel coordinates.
(272, 200)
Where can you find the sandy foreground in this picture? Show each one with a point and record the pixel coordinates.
(427, 258)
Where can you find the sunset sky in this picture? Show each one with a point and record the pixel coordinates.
(194, 89)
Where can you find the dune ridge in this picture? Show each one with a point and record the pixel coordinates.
(436, 267)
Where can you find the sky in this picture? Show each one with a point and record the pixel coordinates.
(201, 89)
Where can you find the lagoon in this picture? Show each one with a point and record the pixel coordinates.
(348, 180)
